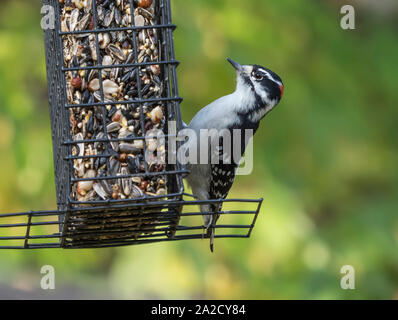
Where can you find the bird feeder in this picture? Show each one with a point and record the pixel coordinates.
(114, 100)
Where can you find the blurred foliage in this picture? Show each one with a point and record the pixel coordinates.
(325, 159)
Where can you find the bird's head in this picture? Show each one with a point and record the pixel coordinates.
(259, 86)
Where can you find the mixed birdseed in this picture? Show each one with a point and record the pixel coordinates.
(118, 127)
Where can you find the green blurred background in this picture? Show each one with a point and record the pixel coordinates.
(325, 159)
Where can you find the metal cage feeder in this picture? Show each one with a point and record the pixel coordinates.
(96, 218)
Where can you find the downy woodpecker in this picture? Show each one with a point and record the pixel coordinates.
(258, 91)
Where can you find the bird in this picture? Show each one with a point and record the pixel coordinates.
(258, 91)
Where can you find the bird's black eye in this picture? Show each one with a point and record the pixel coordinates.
(257, 75)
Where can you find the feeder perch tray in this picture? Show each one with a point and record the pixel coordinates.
(99, 222)
(133, 224)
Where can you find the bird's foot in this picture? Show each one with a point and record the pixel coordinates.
(208, 225)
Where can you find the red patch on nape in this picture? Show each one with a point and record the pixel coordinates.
(281, 87)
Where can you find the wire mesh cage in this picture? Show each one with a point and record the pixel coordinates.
(117, 83)
(118, 86)
(114, 107)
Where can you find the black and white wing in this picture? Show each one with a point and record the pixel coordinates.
(223, 173)
(222, 179)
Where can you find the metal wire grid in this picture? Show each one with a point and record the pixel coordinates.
(39, 229)
(171, 99)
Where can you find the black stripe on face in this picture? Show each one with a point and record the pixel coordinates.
(271, 86)
(272, 74)
(258, 103)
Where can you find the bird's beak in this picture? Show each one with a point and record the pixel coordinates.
(236, 65)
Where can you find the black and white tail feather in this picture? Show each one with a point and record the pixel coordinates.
(258, 91)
